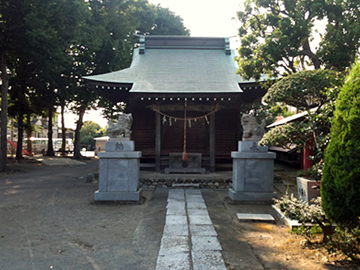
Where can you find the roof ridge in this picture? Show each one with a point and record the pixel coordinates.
(184, 42)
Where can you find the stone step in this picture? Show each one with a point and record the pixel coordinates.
(185, 185)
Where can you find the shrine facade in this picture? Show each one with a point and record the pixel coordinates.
(185, 97)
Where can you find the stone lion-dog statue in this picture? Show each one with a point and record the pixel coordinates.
(121, 128)
(252, 131)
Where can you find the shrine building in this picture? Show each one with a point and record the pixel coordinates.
(184, 96)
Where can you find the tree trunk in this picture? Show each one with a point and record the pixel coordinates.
(50, 148)
(327, 230)
(63, 129)
(20, 134)
(28, 132)
(4, 109)
(77, 146)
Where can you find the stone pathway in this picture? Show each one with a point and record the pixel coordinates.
(189, 239)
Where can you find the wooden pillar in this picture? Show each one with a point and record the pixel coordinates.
(157, 141)
(212, 142)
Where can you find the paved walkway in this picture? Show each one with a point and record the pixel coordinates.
(189, 240)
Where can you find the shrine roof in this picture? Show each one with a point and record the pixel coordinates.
(178, 64)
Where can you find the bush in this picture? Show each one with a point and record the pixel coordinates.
(345, 241)
(293, 208)
(340, 188)
(339, 240)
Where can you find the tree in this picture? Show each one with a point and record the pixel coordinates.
(53, 27)
(313, 93)
(340, 187)
(89, 131)
(167, 23)
(110, 43)
(4, 110)
(276, 36)
(12, 31)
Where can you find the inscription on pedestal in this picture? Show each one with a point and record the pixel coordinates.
(119, 146)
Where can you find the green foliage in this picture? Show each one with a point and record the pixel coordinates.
(167, 23)
(286, 135)
(313, 93)
(281, 110)
(341, 179)
(308, 232)
(336, 240)
(89, 131)
(305, 213)
(345, 241)
(303, 90)
(276, 36)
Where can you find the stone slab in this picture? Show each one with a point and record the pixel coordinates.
(209, 260)
(205, 243)
(198, 205)
(119, 146)
(200, 220)
(178, 261)
(252, 196)
(176, 230)
(176, 211)
(177, 194)
(251, 146)
(197, 212)
(203, 230)
(255, 217)
(176, 200)
(192, 191)
(176, 205)
(117, 196)
(194, 198)
(176, 219)
(174, 244)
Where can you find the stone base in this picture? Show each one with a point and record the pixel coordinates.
(118, 195)
(185, 170)
(251, 196)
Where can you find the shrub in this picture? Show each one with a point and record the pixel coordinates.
(340, 188)
(345, 241)
(293, 208)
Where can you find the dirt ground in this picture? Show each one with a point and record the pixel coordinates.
(50, 221)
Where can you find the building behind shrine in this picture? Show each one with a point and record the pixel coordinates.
(173, 78)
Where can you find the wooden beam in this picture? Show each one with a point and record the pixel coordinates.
(212, 142)
(157, 142)
(180, 107)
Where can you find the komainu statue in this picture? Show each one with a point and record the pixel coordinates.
(121, 128)
(252, 131)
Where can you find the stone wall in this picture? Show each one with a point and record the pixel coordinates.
(168, 182)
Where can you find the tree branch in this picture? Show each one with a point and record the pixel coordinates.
(307, 52)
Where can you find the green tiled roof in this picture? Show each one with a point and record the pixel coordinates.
(173, 64)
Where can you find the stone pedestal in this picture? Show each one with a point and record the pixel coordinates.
(308, 189)
(253, 173)
(119, 172)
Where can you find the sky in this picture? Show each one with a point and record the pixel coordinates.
(203, 18)
(206, 18)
